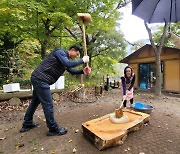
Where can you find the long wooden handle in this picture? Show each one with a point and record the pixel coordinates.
(122, 103)
(84, 40)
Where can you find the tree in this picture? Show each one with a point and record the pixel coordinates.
(45, 19)
(54, 23)
(10, 37)
(160, 39)
(157, 51)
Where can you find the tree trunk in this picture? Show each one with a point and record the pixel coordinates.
(157, 89)
(43, 50)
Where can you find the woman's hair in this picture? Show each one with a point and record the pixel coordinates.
(127, 79)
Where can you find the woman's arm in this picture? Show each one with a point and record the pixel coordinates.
(123, 85)
(132, 82)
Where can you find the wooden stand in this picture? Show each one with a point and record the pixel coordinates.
(103, 133)
(80, 93)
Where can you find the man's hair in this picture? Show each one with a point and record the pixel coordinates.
(76, 47)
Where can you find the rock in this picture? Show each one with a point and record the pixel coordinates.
(14, 101)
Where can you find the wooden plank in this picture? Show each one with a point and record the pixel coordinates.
(103, 133)
(22, 94)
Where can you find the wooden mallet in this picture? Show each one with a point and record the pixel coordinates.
(85, 18)
(119, 111)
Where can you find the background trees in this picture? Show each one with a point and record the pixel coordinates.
(29, 30)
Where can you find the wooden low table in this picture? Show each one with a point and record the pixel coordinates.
(103, 133)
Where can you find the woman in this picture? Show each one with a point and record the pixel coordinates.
(128, 81)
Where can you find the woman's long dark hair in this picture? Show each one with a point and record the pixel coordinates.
(127, 78)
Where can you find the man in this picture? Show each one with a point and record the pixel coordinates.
(175, 39)
(47, 73)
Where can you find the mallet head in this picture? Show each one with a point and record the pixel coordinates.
(84, 17)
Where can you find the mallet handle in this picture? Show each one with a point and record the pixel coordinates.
(122, 103)
(84, 40)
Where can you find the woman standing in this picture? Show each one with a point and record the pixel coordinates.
(128, 81)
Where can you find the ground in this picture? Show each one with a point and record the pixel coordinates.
(161, 135)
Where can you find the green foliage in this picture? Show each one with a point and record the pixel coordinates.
(24, 84)
(29, 30)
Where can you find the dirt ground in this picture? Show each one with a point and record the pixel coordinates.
(160, 136)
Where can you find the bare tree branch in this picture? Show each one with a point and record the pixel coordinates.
(133, 44)
(122, 3)
(73, 35)
(164, 34)
(150, 35)
(99, 52)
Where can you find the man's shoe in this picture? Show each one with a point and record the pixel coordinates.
(27, 128)
(59, 132)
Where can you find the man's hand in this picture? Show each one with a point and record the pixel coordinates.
(85, 59)
(168, 34)
(87, 70)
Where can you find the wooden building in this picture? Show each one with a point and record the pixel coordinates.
(143, 63)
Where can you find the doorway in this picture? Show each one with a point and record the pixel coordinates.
(147, 75)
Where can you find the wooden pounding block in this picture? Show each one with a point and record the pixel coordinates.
(103, 133)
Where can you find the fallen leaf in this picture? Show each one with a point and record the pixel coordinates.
(170, 141)
(6, 129)
(2, 138)
(74, 150)
(70, 141)
(19, 145)
(77, 130)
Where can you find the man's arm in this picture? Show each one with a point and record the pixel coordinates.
(62, 56)
(73, 71)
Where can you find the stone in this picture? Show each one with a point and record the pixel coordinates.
(14, 101)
